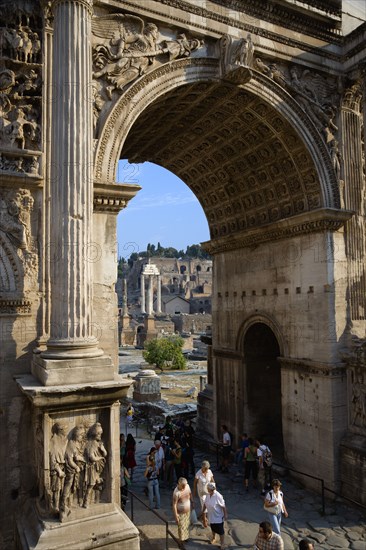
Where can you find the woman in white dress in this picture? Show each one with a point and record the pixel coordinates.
(201, 479)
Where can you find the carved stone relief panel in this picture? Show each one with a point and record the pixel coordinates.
(75, 464)
(318, 96)
(18, 256)
(20, 91)
(355, 359)
(124, 48)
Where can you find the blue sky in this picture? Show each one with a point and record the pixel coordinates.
(165, 211)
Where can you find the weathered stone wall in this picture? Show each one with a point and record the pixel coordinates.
(192, 323)
(293, 288)
(103, 256)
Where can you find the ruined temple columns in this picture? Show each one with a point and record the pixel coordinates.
(143, 310)
(158, 295)
(150, 271)
(149, 306)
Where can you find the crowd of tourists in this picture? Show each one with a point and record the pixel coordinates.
(170, 463)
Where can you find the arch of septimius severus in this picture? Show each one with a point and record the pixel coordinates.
(259, 108)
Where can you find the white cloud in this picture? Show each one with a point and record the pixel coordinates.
(167, 199)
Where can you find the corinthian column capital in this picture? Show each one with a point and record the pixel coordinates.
(88, 4)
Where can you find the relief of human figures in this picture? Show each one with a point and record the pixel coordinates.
(358, 401)
(76, 466)
(21, 44)
(316, 95)
(95, 455)
(131, 49)
(74, 470)
(57, 463)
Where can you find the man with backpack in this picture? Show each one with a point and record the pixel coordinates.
(264, 456)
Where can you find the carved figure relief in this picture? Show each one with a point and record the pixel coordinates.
(20, 87)
(358, 402)
(18, 252)
(76, 464)
(235, 54)
(130, 47)
(15, 208)
(95, 455)
(316, 95)
(57, 463)
(74, 470)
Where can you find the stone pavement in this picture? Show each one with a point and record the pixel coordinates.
(341, 527)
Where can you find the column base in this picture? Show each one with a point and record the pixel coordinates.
(55, 372)
(109, 528)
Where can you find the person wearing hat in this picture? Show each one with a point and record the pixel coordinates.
(151, 474)
(215, 513)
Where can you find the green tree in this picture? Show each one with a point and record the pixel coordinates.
(121, 267)
(164, 352)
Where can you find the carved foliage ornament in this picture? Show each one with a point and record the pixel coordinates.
(130, 48)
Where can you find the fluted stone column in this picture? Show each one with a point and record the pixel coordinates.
(143, 294)
(149, 308)
(158, 295)
(71, 184)
(354, 198)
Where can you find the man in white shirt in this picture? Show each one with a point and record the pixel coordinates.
(214, 513)
(159, 458)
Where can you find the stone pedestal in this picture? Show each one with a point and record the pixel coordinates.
(147, 386)
(76, 435)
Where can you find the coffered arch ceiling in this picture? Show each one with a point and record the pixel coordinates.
(243, 160)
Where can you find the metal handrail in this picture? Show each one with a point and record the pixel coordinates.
(323, 487)
(168, 532)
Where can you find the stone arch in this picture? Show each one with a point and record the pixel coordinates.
(319, 186)
(260, 380)
(264, 319)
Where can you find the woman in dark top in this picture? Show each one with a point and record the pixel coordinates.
(129, 460)
(251, 465)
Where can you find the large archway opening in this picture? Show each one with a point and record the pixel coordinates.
(263, 385)
(255, 164)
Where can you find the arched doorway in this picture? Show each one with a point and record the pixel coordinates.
(263, 385)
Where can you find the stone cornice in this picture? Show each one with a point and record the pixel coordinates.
(296, 17)
(253, 29)
(306, 366)
(227, 354)
(15, 307)
(113, 198)
(328, 6)
(322, 219)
